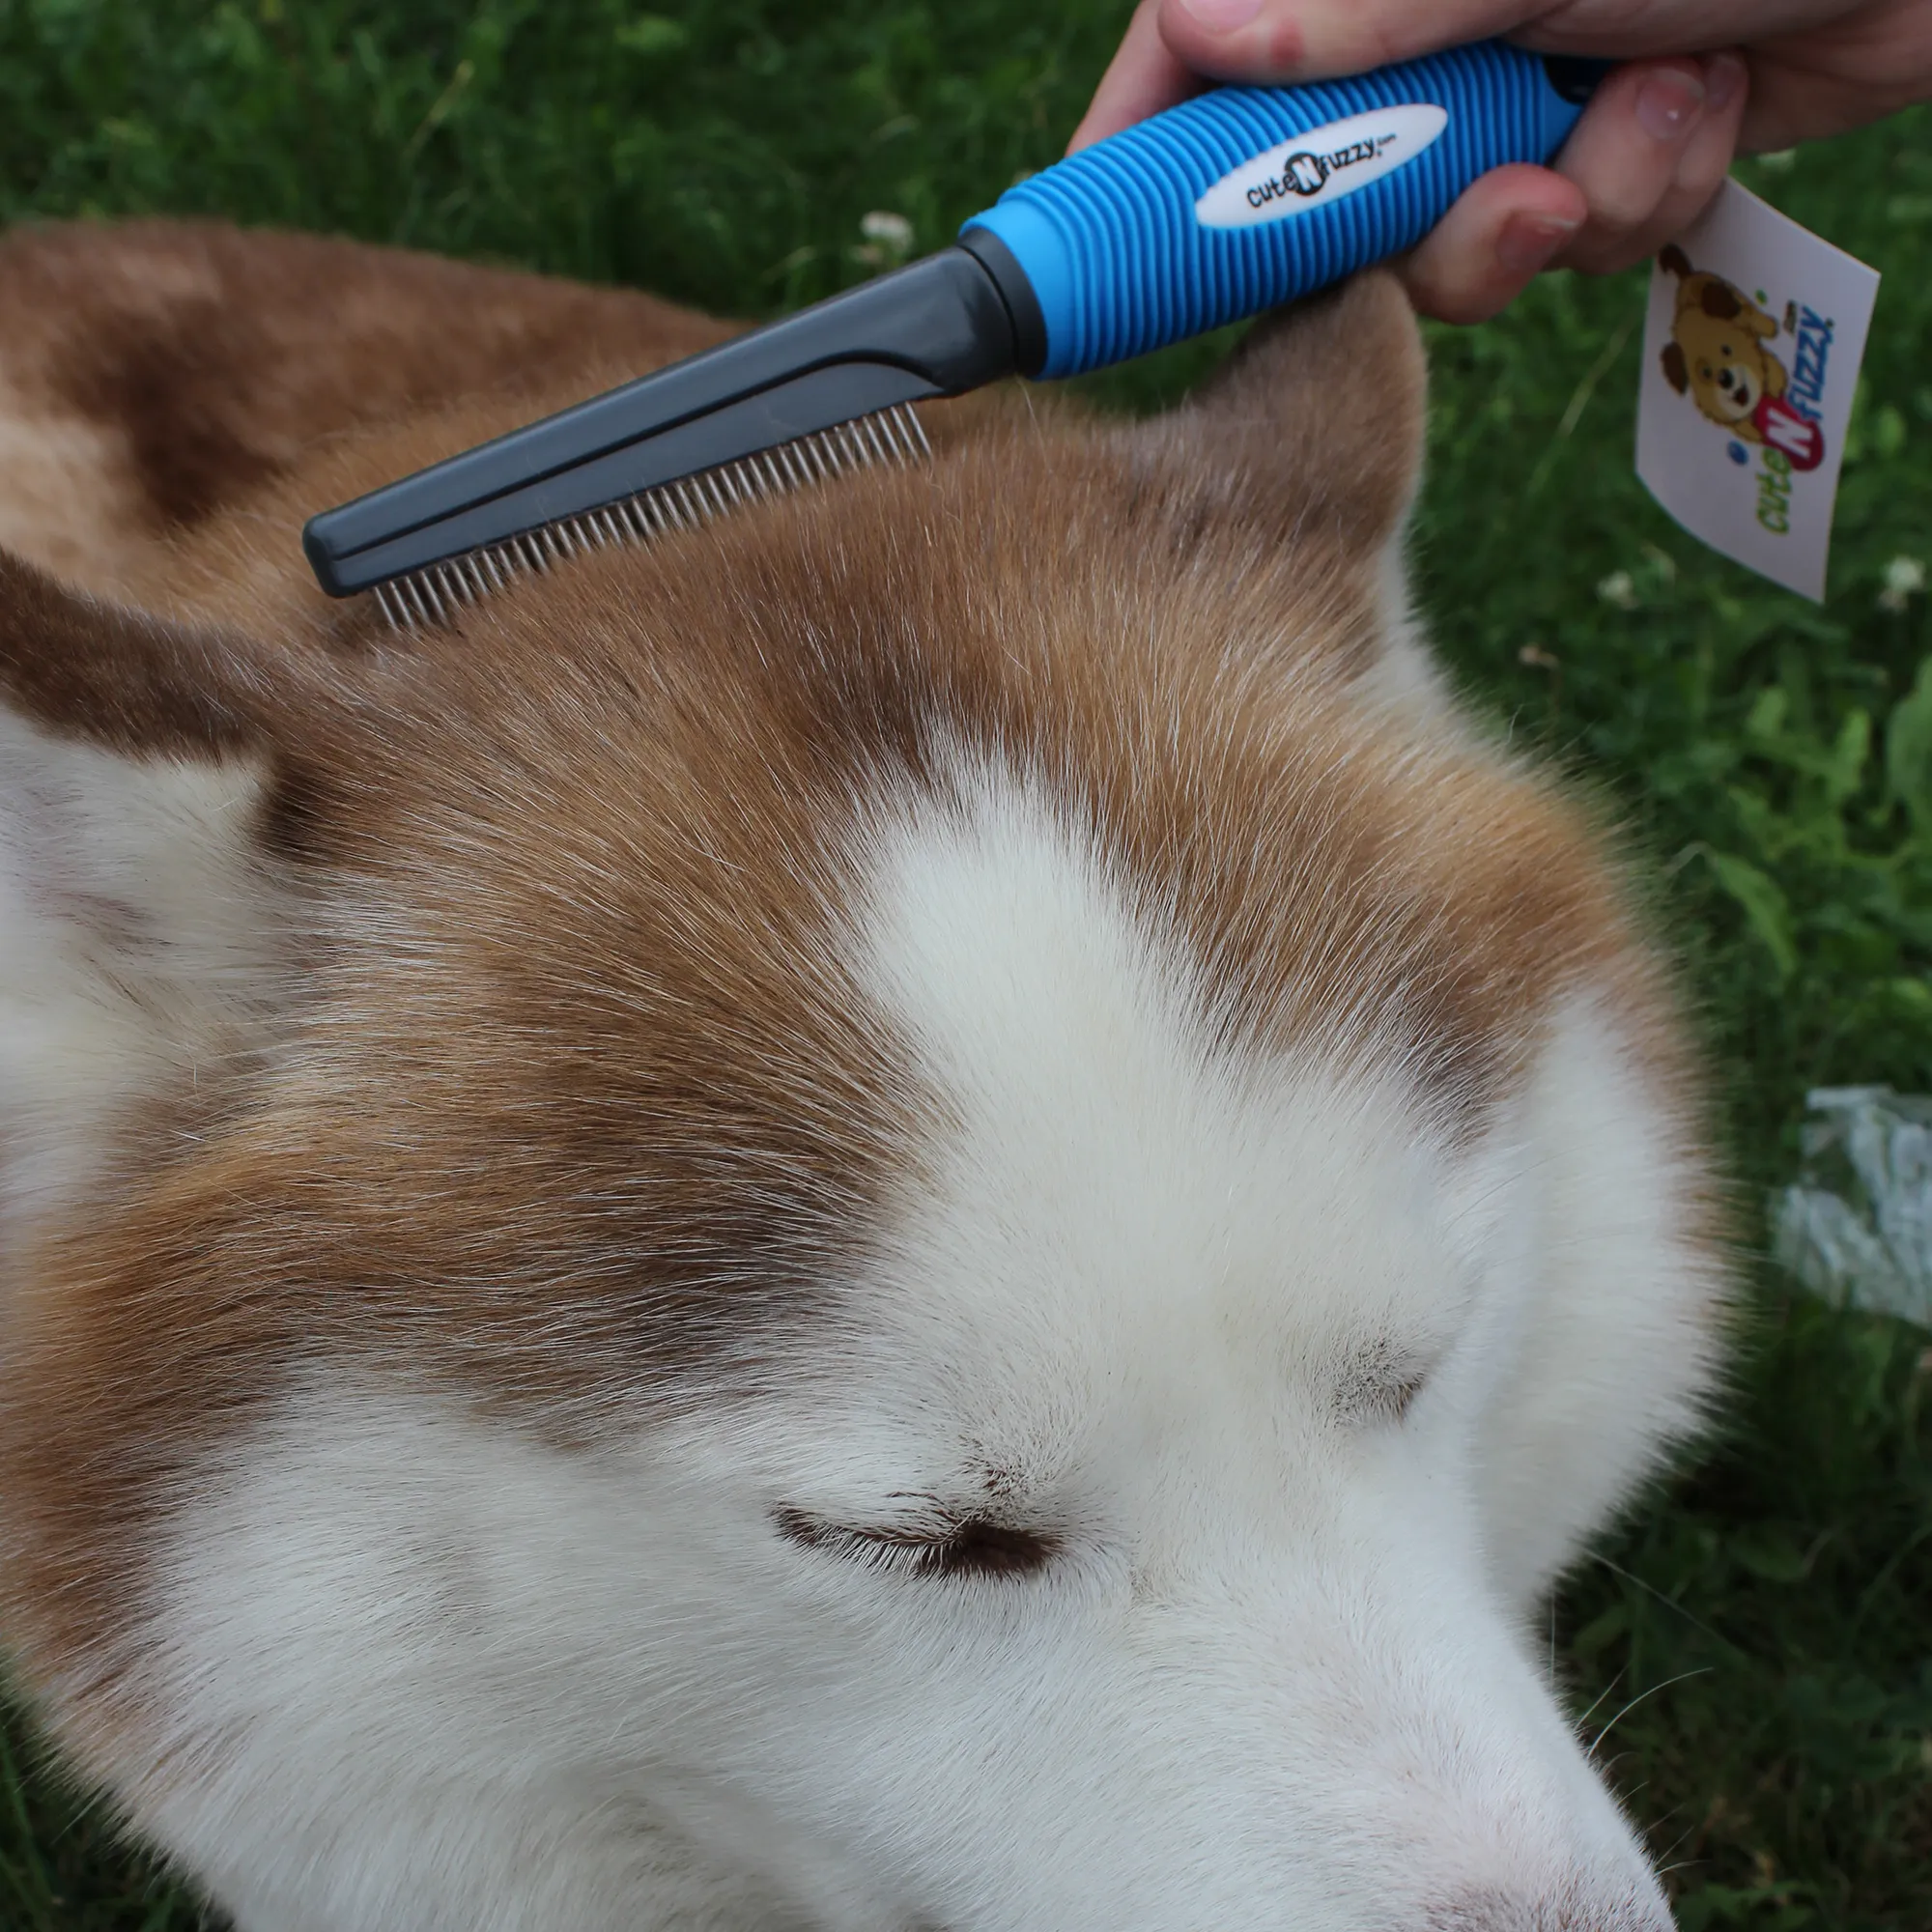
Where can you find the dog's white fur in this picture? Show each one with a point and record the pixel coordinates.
(138, 941)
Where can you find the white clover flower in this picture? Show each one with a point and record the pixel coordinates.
(1619, 587)
(892, 233)
(1904, 579)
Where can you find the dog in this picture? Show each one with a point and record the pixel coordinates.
(1719, 355)
(937, 1210)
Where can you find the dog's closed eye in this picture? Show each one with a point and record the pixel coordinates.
(969, 1548)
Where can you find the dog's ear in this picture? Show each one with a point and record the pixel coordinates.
(1676, 371)
(1721, 300)
(1673, 261)
(1313, 427)
(149, 805)
(83, 669)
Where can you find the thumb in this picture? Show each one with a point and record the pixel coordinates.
(1308, 39)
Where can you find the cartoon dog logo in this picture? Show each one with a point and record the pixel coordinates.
(1717, 356)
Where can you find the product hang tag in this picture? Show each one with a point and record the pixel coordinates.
(1751, 348)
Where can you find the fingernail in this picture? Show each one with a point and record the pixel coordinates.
(1527, 242)
(1223, 17)
(1667, 102)
(1723, 80)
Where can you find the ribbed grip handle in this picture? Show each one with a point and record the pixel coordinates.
(1250, 197)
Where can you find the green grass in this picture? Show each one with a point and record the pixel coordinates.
(1762, 1631)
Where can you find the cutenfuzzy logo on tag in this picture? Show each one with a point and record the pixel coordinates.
(1719, 356)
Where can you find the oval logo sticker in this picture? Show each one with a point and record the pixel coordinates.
(1321, 166)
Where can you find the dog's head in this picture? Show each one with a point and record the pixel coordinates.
(935, 1197)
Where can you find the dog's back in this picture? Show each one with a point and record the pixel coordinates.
(930, 1209)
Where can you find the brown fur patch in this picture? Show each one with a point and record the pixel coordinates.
(579, 1098)
(161, 370)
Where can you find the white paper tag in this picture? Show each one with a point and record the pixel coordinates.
(1751, 348)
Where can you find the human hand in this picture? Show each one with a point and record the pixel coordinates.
(1704, 79)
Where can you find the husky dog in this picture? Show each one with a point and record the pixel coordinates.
(932, 1210)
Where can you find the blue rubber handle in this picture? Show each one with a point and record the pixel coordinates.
(1249, 196)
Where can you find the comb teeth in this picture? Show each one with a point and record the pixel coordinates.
(436, 594)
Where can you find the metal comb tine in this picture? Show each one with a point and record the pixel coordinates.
(406, 588)
(389, 609)
(787, 458)
(422, 606)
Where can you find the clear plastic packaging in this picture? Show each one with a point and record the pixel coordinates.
(1855, 1228)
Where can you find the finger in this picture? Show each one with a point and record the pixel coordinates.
(1702, 163)
(1143, 77)
(1625, 152)
(1506, 226)
(1645, 29)
(1793, 101)
(1304, 39)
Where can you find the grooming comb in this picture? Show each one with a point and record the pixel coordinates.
(1230, 204)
